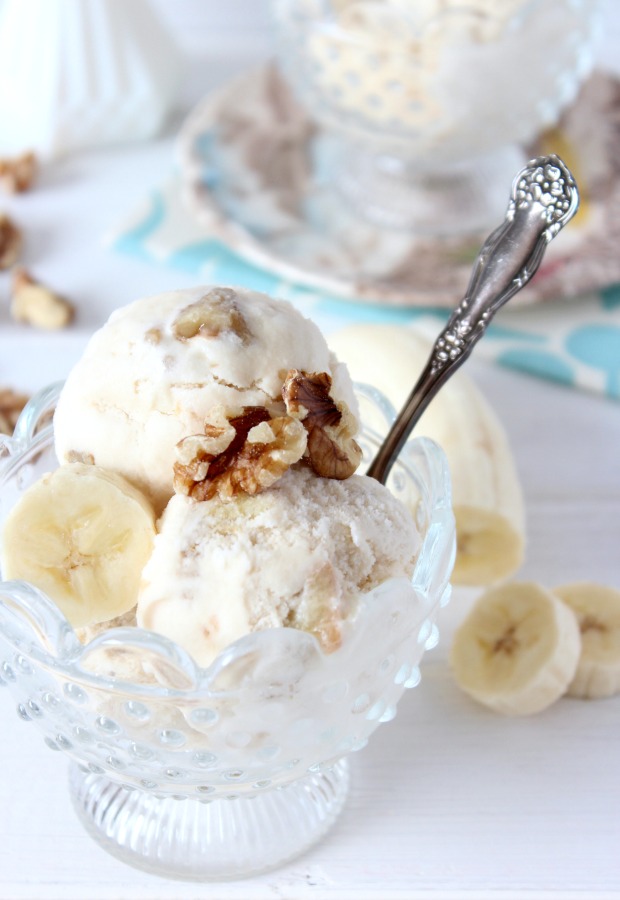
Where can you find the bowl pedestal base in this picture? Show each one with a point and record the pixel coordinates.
(203, 839)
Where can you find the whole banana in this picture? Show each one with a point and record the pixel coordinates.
(486, 492)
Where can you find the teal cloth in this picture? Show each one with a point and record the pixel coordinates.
(576, 342)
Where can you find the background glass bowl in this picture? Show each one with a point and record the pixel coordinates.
(426, 104)
(227, 771)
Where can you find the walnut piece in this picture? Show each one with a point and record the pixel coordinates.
(76, 456)
(196, 452)
(246, 455)
(214, 314)
(10, 242)
(37, 305)
(332, 451)
(153, 336)
(320, 612)
(11, 404)
(17, 174)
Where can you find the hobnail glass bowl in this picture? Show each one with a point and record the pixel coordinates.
(426, 104)
(227, 771)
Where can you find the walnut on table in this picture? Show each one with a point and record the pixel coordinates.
(10, 242)
(17, 174)
(37, 305)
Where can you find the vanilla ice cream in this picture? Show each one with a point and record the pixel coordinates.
(159, 366)
(299, 554)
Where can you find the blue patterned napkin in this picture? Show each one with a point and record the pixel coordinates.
(576, 341)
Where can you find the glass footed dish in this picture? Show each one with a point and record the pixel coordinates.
(426, 106)
(232, 770)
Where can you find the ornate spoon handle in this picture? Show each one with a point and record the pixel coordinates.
(544, 198)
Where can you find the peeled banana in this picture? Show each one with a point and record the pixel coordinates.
(518, 649)
(82, 535)
(598, 612)
(487, 497)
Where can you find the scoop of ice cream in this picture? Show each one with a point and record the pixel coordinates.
(299, 555)
(153, 373)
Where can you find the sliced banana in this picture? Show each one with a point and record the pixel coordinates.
(486, 493)
(82, 534)
(518, 649)
(598, 613)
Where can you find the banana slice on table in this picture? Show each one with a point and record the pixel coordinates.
(82, 534)
(598, 613)
(486, 492)
(518, 649)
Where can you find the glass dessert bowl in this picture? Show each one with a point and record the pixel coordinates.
(231, 770)
(426, 106)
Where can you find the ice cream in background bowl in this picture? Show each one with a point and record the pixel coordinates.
(281, 613)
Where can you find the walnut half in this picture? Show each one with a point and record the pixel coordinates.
(246, 454)
(331, 426)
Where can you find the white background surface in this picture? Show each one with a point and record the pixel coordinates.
(448, 800)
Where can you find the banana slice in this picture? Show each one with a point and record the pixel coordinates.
(486, 493)
(518, 649)
(598, 612)
(82, 535)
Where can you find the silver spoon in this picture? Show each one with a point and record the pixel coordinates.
(544, 198)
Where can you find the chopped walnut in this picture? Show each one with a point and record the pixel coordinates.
(74, 456)
(18, 174)
(10, 242)
(11, 404)
(332, 451)
(320, 612)
(153, 336)
(247, 456)
(37, 305)
(214, 314)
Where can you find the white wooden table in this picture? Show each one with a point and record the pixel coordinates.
(448, 800)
